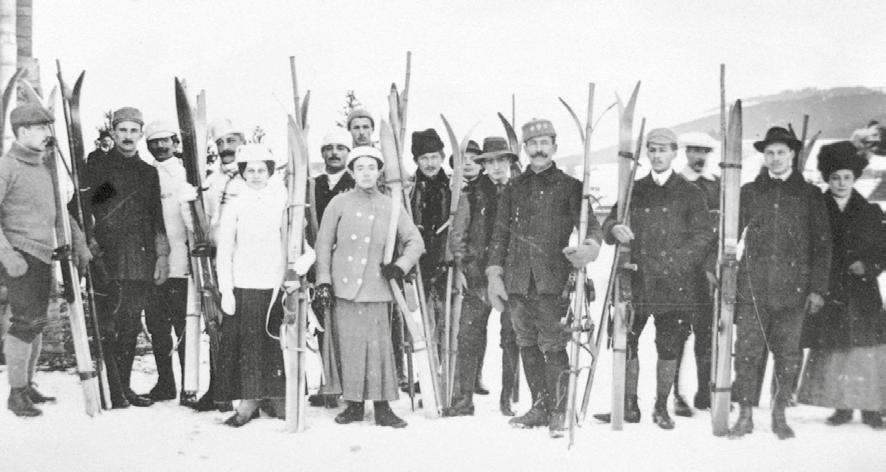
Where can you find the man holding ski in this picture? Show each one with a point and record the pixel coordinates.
(469, 240)
(529, 265)
(167, 303)
(28, 222)
(670, 235)
(130, 235)
(783, 275)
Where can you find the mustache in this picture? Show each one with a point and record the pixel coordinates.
(539, 154)
(227, 153)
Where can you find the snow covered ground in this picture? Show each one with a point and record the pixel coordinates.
(171, 438)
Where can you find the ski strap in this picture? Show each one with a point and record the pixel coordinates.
(730, 165)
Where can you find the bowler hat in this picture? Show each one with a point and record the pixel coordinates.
(777, 134)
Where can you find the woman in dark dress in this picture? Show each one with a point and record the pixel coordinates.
(846, 366)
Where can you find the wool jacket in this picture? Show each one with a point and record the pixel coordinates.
(351, 243)
(123, 196)
(536, 215)
(323, 194)
(787, 242)
(472, 226)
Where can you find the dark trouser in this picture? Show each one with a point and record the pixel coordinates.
(781, 330)
(120, 304)
(702, 320)
(542, 340)
(165, 312)
(29, 299)
(472, 342)
(671, 331)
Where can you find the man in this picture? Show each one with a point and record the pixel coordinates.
(698, 147)
(103, 144)
(334, 148)
(469, 240)
(783, 275)
(28, 220)
(670, 235)
(429, 199)
(361, 126)
(167, 304)
(529, 265)
(123, 197)
(471, 169)
(221, 188)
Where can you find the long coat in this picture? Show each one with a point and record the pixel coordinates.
(672, 237)
(429, 199)
(853, 315)
(787, 242)
(536, 215)
(124, 198)
(351, 241)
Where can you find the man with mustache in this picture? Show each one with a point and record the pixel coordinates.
(361, 126)
(670, 236)
(528, 270)
(28, 221)
(334, 148)
(123, 197)
(698, 147)
(167, 304)
(103, 144)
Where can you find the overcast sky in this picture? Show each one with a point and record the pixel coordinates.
(468, 56)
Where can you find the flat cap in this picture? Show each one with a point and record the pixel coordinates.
(30, 114)
(538, 127)
(160, 129)
(359, 113)
(661, 136)
(127, 114)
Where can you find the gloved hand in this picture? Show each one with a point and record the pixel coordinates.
(583, 254)
(304, 262)
(814, 303)
(392, 271)
(161, 270)
(228, 304)
(622, 233)
(188, 193)
(495, 289)
(14, 263)
(81, 257)
(324, 295)
(857, 268)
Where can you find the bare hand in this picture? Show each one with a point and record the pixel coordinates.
(857, 268)
(228, 304)
(622, 233)
(814, 303)
(15, 265)
(161, 270)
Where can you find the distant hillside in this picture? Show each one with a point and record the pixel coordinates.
(836, 112)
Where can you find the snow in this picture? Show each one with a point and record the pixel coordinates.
(172, 438)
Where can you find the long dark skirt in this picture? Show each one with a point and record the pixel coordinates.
(367, 354)
(251, 360)
(845, 378)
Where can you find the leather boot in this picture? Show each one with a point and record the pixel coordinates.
(839, 417)
(384, 416)
(557, 382)
(164, 389)
(872, 419)
(36, 397)
(681, 408)
(632, 408)
(703, 374)
(534, 369)
(660, 414)
(744, 424)
(354, 412)
(509, 361)
(20, 404)
(779, 422)
(463, 407)
(135, 399)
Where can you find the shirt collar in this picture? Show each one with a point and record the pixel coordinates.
(691, 175)
(334, 178)
(661, 178)
(783, 178)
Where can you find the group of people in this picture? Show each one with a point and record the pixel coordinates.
(808, 272)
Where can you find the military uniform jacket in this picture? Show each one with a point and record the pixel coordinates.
(672, 237)
(123, 197)
(351, 241)
(787, 242)
(536, 215)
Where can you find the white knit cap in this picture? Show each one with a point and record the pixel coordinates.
(223, 127)
(337, 136)
(698, 139)
(252, 152)
(160, 129)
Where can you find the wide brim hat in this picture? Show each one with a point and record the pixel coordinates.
(495, 147)
(471, 148)
(840, 155)
(365, 151)
(777, 134)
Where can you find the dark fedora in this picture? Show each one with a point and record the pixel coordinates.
(471, 148)
(777, 134)
(840, 155)
(494, 147)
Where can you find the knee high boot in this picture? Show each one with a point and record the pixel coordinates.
(534, 369)
(18, 354)
(557, 381)
(664, 381)
(632, 377)
(509, 361)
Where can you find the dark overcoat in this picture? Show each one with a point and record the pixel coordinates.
(787, 242)
(853, 315)
(672, 236)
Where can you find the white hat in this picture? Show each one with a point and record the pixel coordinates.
(698, 139)
(223, 127)
(365, 151)
(337, 136)
(160, 129)
(252, 152)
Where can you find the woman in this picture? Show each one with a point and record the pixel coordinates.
(846, 367)
(251, 261)
(350, 275)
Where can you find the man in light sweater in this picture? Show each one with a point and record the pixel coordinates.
(28, 218)
(167, 304)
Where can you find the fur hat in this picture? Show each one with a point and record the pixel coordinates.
(840, 155)
(425, 141)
